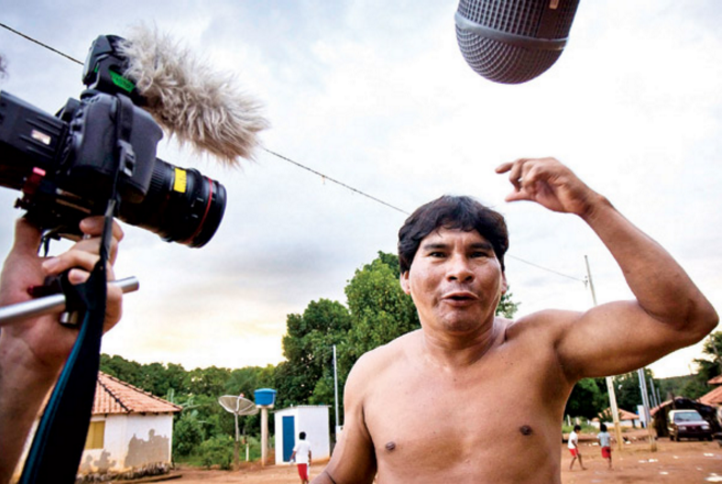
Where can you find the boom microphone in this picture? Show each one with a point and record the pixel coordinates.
(513, 41)
(188, 99)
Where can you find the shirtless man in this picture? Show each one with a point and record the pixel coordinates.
(475, 398)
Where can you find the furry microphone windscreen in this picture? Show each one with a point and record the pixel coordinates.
(191, 101)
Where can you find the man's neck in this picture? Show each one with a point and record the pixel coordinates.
(458, 351)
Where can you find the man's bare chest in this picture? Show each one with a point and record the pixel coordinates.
(446, 419)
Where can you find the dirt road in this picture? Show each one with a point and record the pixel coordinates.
(684, 462)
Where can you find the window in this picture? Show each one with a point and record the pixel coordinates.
(96, 435)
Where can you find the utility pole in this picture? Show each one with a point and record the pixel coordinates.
(335, 390)
(609, 380)
(645, 405)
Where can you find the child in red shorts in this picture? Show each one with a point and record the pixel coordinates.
(605, 442)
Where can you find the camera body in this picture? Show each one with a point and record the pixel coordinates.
(68, 165)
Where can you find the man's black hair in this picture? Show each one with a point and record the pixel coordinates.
(452, 212)
(302, 436)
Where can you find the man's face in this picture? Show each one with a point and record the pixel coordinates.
(455, 280)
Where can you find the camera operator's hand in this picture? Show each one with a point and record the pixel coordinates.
(33, 351)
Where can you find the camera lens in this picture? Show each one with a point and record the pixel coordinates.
(181, 205)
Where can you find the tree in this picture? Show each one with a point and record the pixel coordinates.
(587, 399)
(206, 381)
(711, 366)
(627, 391)
(187, 434)
(380, 310)
(308, 348)
(507, 307)
(122, 369)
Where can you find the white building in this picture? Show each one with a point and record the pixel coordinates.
(312, 419)
(130, 430)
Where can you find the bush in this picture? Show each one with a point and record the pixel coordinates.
(187, 435)
(217, 451)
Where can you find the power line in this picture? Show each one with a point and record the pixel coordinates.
(289, 160)
(285, 158)
(546, 269)
(41, 44)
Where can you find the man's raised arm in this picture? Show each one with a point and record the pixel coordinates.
(669, 311)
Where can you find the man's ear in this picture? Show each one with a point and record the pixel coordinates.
(404, 280)
(504, 285)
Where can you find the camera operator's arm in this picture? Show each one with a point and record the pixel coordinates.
(33, 351)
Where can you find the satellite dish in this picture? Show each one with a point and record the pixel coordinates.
(238, 405)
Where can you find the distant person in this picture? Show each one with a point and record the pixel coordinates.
(573, 444)
(476, 398)
(302, 456)
(605, 441)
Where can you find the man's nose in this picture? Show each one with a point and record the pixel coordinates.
(459, 269)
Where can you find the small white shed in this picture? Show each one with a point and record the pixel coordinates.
(312, 419)
(130, 430)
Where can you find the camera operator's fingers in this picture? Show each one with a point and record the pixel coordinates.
(74, 258)
(93, 227)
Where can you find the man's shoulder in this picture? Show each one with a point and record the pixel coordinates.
(548, 321)
(384, 356)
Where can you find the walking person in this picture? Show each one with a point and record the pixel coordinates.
(302, 456)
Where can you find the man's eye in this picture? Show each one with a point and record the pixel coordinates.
(436, 254)
(480, 254)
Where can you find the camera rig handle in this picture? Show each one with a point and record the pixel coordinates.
(52, 303)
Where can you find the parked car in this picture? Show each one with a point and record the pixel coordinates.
(688, 424)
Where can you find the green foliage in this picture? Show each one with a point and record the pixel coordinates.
(627, 391)
(217, 451)
(673, 386)
(711, 365)
(587, 399)
(380, 309)
(308, 348)
(155, 378)
(507, 307)
(206, 381)
(187, 435)
(695, 388)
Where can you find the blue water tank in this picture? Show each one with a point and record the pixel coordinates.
(265, 396)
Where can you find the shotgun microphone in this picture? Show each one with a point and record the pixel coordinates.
(190, 100)
(513, 41)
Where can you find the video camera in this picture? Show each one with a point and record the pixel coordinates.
(66, 165)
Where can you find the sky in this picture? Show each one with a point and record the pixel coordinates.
(376, 95)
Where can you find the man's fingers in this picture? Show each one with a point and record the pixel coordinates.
(504, 167)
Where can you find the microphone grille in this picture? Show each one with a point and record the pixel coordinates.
(513, 41)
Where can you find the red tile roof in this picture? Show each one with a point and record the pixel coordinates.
(113, 396)
(716, 380)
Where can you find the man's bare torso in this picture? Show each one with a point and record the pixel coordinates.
(497, 420)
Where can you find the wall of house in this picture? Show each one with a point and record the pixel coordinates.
(130, 442)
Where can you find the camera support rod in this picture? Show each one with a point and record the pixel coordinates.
(53, 303)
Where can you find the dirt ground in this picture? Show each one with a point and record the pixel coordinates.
(685, 462)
